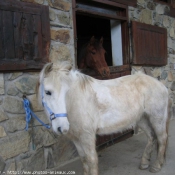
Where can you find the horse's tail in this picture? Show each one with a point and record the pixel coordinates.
(169, 111)
(169, 114)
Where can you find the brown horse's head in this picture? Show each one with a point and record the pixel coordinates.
(94, 57)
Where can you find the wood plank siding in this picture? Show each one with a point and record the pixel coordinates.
(127, 2)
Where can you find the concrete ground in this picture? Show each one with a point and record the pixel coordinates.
(124, 158)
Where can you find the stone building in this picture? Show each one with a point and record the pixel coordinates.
(39, 148)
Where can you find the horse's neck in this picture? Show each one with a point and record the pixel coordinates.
(80, 78)
(75, 75)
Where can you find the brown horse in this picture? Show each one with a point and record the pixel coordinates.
(92, 56)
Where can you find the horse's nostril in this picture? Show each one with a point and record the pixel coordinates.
(65, 131)
(59, 129)
(104, 73)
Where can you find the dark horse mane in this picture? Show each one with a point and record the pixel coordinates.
(82, 53)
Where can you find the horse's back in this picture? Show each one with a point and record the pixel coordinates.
(154, 95)
(144, 84)
(150, 87)
(139, 93)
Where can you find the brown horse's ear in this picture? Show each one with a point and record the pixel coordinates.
(69, 67)
(101, 40)
(82, 64)
(92, 40)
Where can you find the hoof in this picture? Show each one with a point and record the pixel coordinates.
(154, 169)
(143, 166)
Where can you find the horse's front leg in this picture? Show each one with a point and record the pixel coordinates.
(86, 147)
(82, 157)
(92, 160)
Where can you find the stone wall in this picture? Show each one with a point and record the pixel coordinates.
(39, 148)
(150, 12)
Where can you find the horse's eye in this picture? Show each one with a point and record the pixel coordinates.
(93, 53)
(48, 93)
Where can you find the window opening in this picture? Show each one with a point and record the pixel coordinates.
(110, 30)
(88, 26)
(116, 42)
(164, 1)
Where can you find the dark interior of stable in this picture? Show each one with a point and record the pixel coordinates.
(88, 26)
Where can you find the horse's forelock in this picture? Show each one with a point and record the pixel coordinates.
(55, 71)
(64, 66)
(97, 44)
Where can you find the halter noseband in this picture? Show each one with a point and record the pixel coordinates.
(52, 115)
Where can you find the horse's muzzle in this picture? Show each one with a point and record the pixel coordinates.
(64, 131)
(104, 72)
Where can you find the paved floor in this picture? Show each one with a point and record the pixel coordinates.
(124, 158)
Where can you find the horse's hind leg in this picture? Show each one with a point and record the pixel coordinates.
(162, 136)
(145, 126)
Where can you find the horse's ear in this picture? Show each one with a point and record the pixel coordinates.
(67, 65)
(70, 67)
(92, 40)
(82, 64)
(101, 40)
(48, 68)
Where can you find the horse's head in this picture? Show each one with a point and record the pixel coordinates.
(53, 86)
(94, 57)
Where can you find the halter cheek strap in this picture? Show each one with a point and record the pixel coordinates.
(52, 115)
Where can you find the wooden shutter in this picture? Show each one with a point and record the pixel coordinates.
(149, 44)
(24, 35)
(126, 2)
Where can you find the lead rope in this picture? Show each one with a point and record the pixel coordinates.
(29, 115)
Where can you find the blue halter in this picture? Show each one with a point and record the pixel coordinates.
(52, 115)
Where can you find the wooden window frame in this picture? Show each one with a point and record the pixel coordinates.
(126, 2)
(161, 2)
(171, 3)
(122, 17)
(40, 28)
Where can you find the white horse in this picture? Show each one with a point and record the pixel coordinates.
(80, 107)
